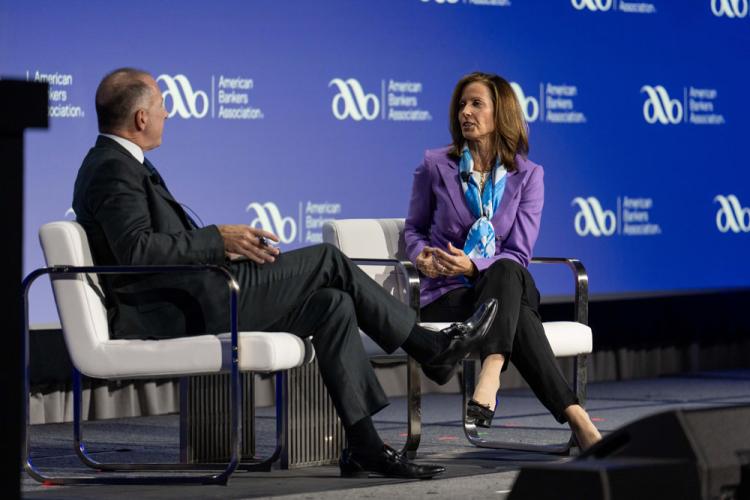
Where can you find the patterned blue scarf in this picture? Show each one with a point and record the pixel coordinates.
(480, 242)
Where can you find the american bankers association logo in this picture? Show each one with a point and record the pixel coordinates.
(399, 101)
(699, 106)
(352, 101)
(181, 99)
(268, 217)
(307, 228)
(529, 104)
(231, 97)
(478, 3)
(729, 8)
(732, 216)
(592, 5)
(555, 103)
(592, 218)
(633, 217)
(623, 6)
(660, 107)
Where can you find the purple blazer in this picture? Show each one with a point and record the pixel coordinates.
(438, 214)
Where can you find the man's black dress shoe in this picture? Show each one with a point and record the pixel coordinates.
(388, 462)
(464, 338)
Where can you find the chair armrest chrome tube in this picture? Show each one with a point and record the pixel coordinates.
(406, 268)
(63, 270)
(234, 287)
(581, 283)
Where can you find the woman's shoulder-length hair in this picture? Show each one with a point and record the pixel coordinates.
(511, 136)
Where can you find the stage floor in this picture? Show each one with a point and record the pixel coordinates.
(472, 472)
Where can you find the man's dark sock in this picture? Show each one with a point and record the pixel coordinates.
(423, 344)
(363, 437)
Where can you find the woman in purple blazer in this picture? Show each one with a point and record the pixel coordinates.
(474, 217)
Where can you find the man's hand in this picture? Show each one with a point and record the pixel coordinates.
(454, 263)
(426, 264)
(241, 240)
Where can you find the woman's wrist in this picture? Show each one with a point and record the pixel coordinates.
(473, 271)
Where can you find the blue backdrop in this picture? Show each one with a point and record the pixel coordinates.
(285, 114)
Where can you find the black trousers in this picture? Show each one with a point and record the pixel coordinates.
(517, 331)
(317, 291)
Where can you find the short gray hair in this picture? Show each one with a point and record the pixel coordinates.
(119, 94)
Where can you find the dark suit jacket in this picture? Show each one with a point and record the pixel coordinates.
(130, 218)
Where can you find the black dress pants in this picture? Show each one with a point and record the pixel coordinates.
(317, 291)
(517, 331)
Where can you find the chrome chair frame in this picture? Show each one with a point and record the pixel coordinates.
(413, 370)
(235, 397)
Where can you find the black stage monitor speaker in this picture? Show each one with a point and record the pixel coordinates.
(701, 454)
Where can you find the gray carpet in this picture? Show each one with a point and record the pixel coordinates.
(472, 472)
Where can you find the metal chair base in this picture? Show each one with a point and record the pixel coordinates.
(247, 465)
(235, 400)
(413, 409)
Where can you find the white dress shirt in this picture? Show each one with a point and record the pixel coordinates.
(132, 148)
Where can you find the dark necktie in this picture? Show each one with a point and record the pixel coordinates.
(154, 173)
(156, 179)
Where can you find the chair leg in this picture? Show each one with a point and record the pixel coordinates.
(262, 465)
(472, 433)
(580, 377)
(38, 475)
(282, 419)
(414, 408)
(89, 461)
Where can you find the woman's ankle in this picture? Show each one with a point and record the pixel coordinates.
(584, 429)
(485, 392)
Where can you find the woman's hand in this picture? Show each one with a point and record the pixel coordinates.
(426, 262)
(454, 263)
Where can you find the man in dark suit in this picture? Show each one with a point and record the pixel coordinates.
(131, 218)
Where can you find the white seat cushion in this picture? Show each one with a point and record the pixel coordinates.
(258, 351)
(265, 351)
(126, 358)
(567, 338)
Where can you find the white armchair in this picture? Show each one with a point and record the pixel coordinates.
(85, 328)
(378, 246)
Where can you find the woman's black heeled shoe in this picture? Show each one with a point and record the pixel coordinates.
(479, 414)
